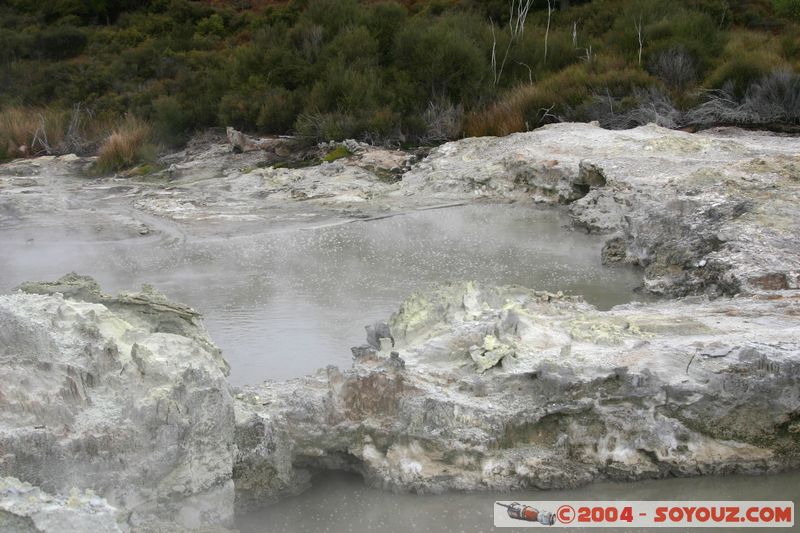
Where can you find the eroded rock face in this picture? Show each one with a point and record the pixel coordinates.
(123, 395)
(573, 394)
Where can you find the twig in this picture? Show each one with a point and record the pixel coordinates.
(530, 71)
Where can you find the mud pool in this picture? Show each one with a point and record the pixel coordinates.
(339, 502)
(284, 302)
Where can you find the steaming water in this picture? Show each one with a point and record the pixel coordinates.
(342, 503)
(283, 303)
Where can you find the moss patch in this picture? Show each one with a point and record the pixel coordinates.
(339, 152)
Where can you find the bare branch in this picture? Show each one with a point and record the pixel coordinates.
(575, 34)
(637, 24)
(530, 71)
(547, 31)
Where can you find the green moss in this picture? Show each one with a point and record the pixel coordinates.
(339, 152)
(146, 169)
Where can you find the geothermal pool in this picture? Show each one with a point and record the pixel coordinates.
(284, 302)
(340, 502)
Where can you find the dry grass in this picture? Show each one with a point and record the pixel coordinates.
(128, 144)
(31, 132)
(531, 105)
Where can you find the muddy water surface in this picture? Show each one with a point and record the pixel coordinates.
(282, 303)
(341, 503)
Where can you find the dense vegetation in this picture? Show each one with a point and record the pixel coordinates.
(416, 71)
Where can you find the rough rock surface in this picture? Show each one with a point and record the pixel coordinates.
(562, 394)
(27, 509)
(123, 395)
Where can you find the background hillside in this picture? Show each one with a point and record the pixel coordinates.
(391, 72)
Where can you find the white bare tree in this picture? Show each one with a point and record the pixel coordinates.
(637, 24)
(547, 31)
(575, 34)
(518, 14)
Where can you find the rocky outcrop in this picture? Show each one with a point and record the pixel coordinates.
(506, 388)
(465, 387)
(281, 146)
(27, 509)
(126, 396)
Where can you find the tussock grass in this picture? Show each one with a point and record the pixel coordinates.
(30, 132)
(128, 144)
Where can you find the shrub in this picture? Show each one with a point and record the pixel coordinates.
(354, 47)
(773, 99)
(748, 57)
(278, 110)
(644, 106)
(28, 132)
(530, 106)
(384, 20)
(170, 123)
(60, 42)
(240, 109)
(675, 67)
(213, 25)
(346, 89)
(442, 61)
(444, 121)
(314, 126)
(787, 8)
(736, 75)
(130, 143)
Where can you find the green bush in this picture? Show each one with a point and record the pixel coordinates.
(443, 61)
(278, 110)
(315, 126)
(240, 108)
(739, 73)
(385, 70)
(787, 8)
(60, 42)
(171, 125)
